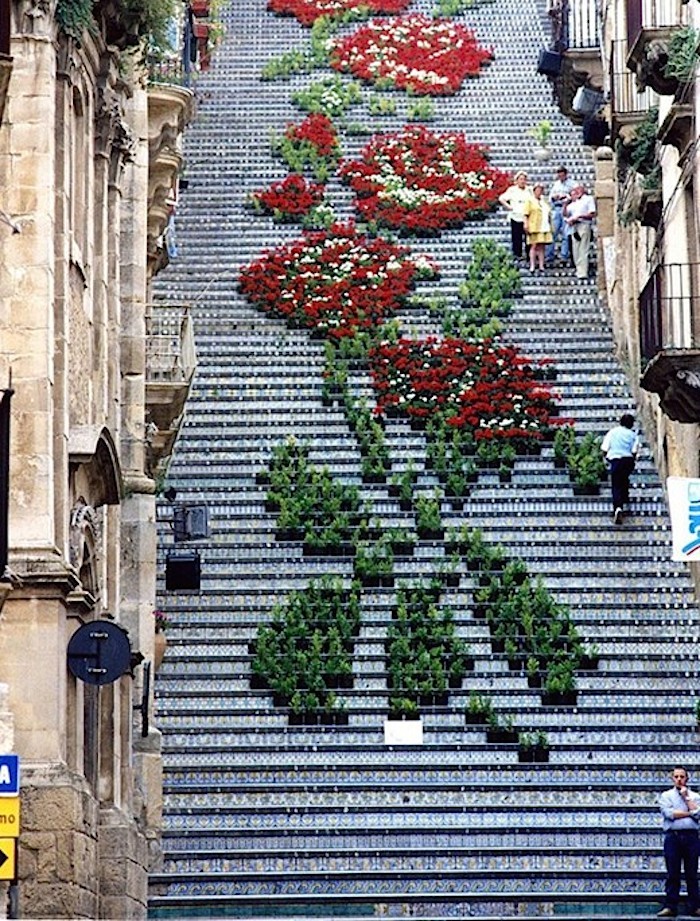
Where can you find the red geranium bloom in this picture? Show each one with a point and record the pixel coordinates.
(293, 196)
(418, 53)
(318, 131)
(308, 11)
(485, 387)
(336, 281)
(421, 181)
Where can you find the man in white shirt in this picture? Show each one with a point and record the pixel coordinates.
(680, 808)
(579, 215)
(620, 446)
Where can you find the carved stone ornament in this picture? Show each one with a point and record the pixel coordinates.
(112, 134)
(675, 376)
(85, 526)
(35, 17)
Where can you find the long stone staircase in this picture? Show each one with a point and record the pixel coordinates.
(267, 819)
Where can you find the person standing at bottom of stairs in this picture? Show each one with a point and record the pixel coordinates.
(620, 446)
(579, 215)
(680, 808)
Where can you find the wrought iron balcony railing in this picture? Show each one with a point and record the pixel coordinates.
(575, 25)
(669, 309)
(627, 103)
(650, 15)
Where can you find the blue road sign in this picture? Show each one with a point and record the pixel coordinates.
(9, 775)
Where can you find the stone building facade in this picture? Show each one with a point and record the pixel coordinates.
(89, 159)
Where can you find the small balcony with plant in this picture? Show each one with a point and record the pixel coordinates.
(628, 107)
(639, 174)
(678, 125)
(170, 367)
(669, 339)
(651, 27)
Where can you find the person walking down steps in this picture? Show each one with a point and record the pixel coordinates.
(680, 808)
(620, 446)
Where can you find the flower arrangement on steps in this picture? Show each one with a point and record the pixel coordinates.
(305, 654)
(338, 282)
(417, 181)
(582, 458)
(535, 632)
(311, 505)
(307, 12)
(413, 52)
(425, 657)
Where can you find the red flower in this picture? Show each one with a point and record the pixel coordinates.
(421, 181)
(482, 386)
(308, 11)
(316, 130)
(291, 197)
(418, 53)
(337, 281)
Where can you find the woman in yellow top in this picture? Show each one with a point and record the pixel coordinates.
(513, 200)
(538, 226)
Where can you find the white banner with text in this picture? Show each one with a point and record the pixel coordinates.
(684, 503)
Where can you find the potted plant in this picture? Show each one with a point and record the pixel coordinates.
(160, 643)
(479, 709)
(533, 746)
(501, 730)
(541, 133)
(428, 518)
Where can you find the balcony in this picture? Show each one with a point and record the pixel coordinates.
(650, 27)
(575, 26)
(170, 367)
(628, 105)
(669, 330)
(678, 126)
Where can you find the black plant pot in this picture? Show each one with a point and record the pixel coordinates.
(258, 683)
(434, 700)
(533, 755)
(592, 489)
(502, 736)
(556, 699)
(534, 681)
(475, 719)
(430, 534)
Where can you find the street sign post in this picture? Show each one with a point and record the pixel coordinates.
(9, 775)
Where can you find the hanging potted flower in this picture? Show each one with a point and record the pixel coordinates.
(160, 642)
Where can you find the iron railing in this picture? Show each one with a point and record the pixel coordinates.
(625, 98)
(668, 306)
(575, 24)
(170, 351)
(650, 14)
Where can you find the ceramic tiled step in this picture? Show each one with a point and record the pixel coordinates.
(318, 859)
